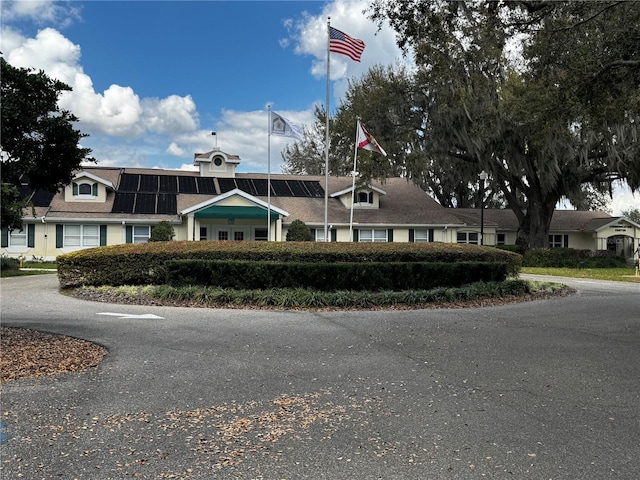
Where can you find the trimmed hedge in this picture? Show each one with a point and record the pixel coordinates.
(146, 263)
(372, 276)
(571, 258)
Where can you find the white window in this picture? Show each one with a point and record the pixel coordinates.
(82, 235)
(421, 236)
(472, 238)
(141, 233)
(85, 189)
(18, 238)
(223, 235)
(318, 234)
(558, 241)
(372, 235)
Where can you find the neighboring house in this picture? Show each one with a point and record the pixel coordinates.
(110, 206)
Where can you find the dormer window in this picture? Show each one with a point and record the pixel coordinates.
(364, 198)
(85, 189)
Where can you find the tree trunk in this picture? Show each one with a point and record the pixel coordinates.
(533, 231)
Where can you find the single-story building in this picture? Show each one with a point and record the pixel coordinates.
(110, 206)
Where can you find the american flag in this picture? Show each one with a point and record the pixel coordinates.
(340, 42)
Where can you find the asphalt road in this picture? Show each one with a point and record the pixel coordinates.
(541, 390)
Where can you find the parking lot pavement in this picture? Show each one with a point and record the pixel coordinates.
(546, 389)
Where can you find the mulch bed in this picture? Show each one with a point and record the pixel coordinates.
(26, 353)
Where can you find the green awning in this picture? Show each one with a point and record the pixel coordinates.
(226, 212)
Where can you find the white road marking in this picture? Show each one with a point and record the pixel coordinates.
(150, 316)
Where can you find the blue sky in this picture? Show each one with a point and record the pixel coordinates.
(152, 79)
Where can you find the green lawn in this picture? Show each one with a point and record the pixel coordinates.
(43, 268)
(627, 274)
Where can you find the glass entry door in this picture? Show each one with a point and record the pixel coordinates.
(233, 233)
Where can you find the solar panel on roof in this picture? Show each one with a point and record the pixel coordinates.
(24, 191)
(148, 183)
(129, 182)
(39, 198)
(42, 198)
(297, 189)
(167, 204)
(206, 186)
(315, 190)
(246, 185)
(261, 186)
(226, 184)
(145, 203)
(280, 188)
(123, 203)
(168, 183)
(187, 185)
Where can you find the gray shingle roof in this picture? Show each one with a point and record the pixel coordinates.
(403, 203)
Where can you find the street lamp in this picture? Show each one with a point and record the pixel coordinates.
(483, 178)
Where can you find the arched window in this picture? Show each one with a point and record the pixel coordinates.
(85, 189)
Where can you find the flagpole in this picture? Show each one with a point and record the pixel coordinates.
(269, 173)
(353, 181)
(326, 152)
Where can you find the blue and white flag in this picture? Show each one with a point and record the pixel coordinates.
(284, 128)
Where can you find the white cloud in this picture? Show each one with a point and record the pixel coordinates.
(169, 115)
(128, 130)
(174, 149)
(347, 16)
(49, 51)
(40, 11)
(117, 111)
(623, 199)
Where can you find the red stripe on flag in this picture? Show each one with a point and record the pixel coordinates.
(340, 42)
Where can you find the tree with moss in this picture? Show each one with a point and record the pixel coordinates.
(557, 119)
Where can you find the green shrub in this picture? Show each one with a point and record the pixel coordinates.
(372, 276)
(571, 258)
(299, 232)
(145, 263)
(162, 232)
(519, 249)
(308, 298)
(8, 263)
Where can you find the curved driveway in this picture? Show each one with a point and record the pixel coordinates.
(546, 389)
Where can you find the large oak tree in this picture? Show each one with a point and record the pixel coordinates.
(558, 117)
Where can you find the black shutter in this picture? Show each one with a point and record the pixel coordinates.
(355, 234)
(412, 235)
(5, 237)
(313, 233)
(334, 235)
(129, 234)
(103, 235)
(390, 235)
(565, 241)
(31, 235)
(431, 234)
(59, 235)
